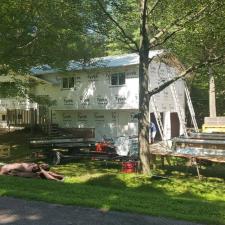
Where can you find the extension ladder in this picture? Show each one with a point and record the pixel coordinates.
(179, 110)
(190, 106)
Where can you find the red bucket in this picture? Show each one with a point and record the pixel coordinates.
(101, 147)
(129, 167)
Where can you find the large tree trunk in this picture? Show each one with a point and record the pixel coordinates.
(143, 125)
(212, 94)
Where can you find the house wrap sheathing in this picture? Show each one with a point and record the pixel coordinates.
(104, 95)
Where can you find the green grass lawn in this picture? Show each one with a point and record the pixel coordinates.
(96, 184)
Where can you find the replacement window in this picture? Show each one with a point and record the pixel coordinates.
(68, 82)
(118, 79)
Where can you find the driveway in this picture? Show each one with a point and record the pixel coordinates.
(22, 212)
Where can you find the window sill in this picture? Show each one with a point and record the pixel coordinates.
(67, 89)
(112, 86)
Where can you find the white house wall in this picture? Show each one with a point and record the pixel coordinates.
(95, 103)
(93, 90)
(108, 123)
(159, 73)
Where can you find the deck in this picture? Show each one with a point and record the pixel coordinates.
(193, 148)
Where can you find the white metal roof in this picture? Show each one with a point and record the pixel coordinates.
(103, 62)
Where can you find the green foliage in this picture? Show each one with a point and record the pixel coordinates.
(44, 32)
(55, 31)
(198, 39)
(9, 89)
(160, 22)
(201, 40)
(126, 13)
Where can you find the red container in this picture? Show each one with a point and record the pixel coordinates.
(101, 147)
(129, 167)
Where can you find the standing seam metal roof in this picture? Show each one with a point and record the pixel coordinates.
(102, 62)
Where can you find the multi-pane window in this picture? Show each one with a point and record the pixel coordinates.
(118, 79)
(68, 82)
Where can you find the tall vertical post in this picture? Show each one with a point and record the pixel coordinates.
(143, 123)
(212, 94)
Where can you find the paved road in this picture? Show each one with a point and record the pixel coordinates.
(21, 212)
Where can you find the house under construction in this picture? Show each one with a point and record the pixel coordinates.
(103, 96)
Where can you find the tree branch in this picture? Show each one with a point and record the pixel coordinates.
(27, 44)
(153, 7)
(126, 37)
(185, 73)
(129, 46)
(179, 23)
(181, 27)
(167, 37)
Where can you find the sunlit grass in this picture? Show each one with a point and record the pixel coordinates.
(102, 185)
(98, 173)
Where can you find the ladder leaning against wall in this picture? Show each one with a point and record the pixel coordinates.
(179, 110)
(190, 107)
(178, 107)
(159, 123)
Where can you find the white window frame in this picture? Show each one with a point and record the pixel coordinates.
(118, 79)
(67, 81)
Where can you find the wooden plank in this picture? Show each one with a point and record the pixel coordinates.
(220, 159)
(62, 143)
(209, 136)
(60, 140)
(80, 132)
(220, 120)
(199, 141)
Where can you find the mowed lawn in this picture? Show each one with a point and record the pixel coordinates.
(100, 185)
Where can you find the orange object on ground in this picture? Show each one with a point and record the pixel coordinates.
(101, 147)
(129, 167)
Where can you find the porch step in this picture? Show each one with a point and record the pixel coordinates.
(54, 131)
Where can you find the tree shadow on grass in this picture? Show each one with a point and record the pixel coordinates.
(109, 192)
(182, 166)
(215, 171)
(85, 167)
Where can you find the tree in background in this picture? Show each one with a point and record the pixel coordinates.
(199, 42)
(44, 32)
(34, 33)
(158, 23)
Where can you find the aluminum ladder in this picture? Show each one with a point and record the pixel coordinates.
(159, 122)
(190, 107)
(179, 110)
